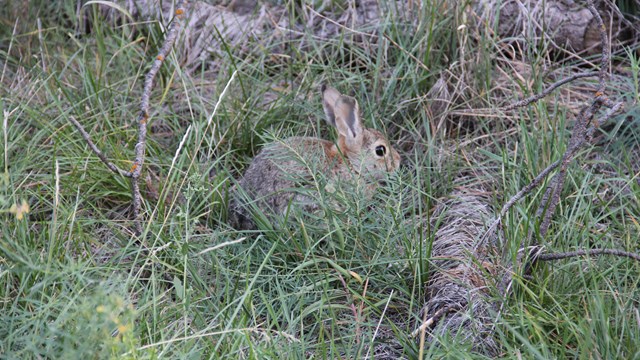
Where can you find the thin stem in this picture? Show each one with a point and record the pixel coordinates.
(113, 167)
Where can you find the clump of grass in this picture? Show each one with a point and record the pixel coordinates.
(80, 322)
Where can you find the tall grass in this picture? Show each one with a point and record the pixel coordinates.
(75, 283)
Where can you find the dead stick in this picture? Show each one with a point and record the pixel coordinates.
(590, 252)
(136, 170)
(586, 133)
(548, 90)
(551, 196)
(113, 167)
(604, 59)
(582, 132)
(524, 191)
(143, 116)
(607, 115)
(600, 99)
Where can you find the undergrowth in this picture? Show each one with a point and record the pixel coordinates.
(76, 283)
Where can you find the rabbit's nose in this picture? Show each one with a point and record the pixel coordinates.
(390, 164)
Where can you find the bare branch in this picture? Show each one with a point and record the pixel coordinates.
(571, 152)
(143, 116)
(551, 196)
(582, 133)
(113, 167)
(524, 191)
(590, 252)
(604, 39)
(607, 115)
(548, 90)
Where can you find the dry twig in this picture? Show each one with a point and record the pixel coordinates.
(143, 117)
(113, 167)
(524, 191)
(547, 91)
(582, 133)
(584, 128)
(590, 252)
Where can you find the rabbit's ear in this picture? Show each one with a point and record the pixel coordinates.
(329, 98)
(343, 113)
(348, 122)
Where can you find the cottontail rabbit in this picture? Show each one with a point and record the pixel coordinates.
(270, 182)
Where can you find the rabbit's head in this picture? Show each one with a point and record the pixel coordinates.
(367, 150)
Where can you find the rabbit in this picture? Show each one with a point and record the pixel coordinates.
(270, 182)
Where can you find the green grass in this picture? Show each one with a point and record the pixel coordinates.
(75, 282)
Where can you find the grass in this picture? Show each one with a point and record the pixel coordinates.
(75, 283)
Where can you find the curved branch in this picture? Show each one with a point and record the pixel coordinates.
(591, 252)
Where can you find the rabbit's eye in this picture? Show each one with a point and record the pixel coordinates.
(381, 150)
